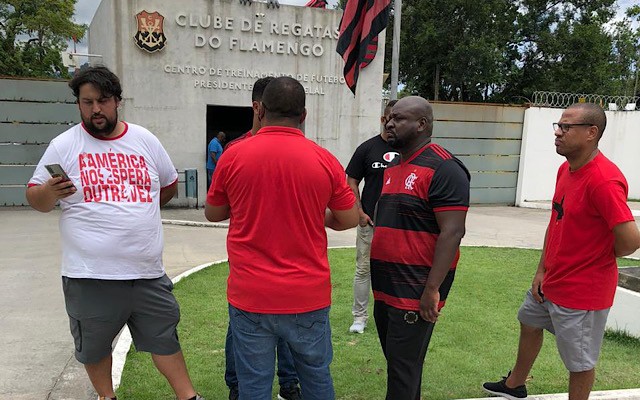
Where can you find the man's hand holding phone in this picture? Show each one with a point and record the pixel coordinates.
(59, 185)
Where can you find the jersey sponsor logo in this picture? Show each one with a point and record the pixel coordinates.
(410, 181)
(378, 165)
(150, 35)
(389, 156)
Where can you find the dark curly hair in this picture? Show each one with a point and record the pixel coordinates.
(100, 77)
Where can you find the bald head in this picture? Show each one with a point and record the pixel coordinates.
(418, 107)
(592, 114)
(410, 124)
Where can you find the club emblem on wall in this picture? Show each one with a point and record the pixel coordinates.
(150, 35)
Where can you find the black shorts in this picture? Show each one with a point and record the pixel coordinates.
(98, 309)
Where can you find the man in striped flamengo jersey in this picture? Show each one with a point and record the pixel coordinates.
(420, 220)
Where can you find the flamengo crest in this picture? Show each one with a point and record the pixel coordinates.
(150, 35)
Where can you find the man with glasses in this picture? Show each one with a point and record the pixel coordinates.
(574, 285)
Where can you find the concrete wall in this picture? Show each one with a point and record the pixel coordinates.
(486, 137)
(624, 313)
(539, 161)
(32, 112)
(172, 103)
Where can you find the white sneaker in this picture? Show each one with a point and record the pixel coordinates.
(358, 326)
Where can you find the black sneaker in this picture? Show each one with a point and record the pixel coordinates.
(500, 388)
(233, 393)
(290, 393)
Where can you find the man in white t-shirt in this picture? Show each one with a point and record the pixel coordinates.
(118, 177)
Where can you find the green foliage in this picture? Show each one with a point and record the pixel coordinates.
(32, 34)
(475, 339)
(502, 50)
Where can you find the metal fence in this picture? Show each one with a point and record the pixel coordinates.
(564, 100)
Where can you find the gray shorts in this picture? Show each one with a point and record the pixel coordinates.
(98, 309)
(579, 333)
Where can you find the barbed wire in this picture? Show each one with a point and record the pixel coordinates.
(564, 100)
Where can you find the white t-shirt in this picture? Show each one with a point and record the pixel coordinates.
(111, 227)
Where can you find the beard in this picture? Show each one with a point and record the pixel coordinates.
(395, 143)
(107, 128)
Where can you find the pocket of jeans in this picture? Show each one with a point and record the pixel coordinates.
(243, 321)
(312, 326)
(76, 332)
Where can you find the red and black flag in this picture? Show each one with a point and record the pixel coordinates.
(317, 4)
(361, 23)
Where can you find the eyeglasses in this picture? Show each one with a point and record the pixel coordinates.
(565, 127)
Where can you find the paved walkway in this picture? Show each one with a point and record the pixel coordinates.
(37, 352)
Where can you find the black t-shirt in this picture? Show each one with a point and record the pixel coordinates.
(369, 162)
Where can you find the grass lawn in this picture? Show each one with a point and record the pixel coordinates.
(475, 339)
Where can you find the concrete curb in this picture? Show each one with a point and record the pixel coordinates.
(628, 394)
(195, 223)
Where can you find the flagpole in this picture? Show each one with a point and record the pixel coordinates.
(395, 51)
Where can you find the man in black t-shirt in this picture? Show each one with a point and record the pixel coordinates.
(369, 162)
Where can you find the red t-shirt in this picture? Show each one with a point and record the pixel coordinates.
(237, 140)
(278, 185)
(581, 270)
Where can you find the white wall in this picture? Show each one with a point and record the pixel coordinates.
(624, 313)
(173, 105)
(539, 161)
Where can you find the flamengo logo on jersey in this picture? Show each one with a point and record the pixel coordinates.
(389, 156)
(410, 181)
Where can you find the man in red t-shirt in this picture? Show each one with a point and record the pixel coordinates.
(287, 376)
(276, 187)
(574, 286)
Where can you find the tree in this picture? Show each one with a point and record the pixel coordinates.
(563, 46)
(32, 35)
(458, 49)
(504, 50)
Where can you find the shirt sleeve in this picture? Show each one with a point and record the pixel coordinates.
(50, 156)
(342, 197)
(449, 188)
(166, 170)
(355, 168)
(610, 200)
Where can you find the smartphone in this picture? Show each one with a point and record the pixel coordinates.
(56, 170)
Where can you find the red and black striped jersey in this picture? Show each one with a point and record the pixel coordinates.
(406, 232)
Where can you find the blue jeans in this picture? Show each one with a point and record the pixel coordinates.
(209, 175)
(286, 369)
(255, 337)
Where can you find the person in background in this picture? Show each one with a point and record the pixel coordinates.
(368, 162)
(214, 151)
